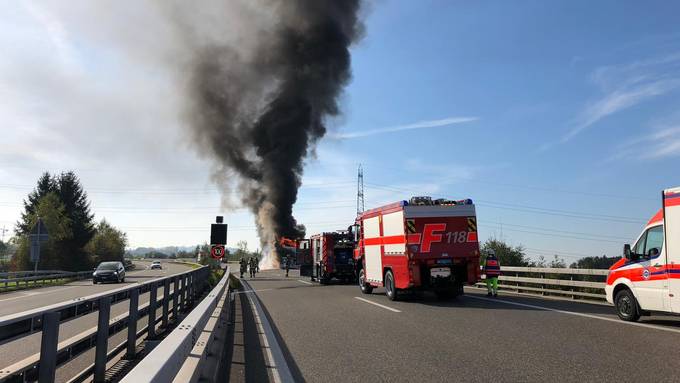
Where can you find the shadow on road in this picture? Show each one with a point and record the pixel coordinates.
(294, 369)
(244, 358)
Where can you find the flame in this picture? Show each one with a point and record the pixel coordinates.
(286, 242)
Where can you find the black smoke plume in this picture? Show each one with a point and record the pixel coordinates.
(260, 107)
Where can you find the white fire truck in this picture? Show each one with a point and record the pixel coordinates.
(647, 278)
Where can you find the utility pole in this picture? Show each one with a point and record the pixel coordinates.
(360, 190)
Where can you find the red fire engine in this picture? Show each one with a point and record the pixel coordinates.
(421, 244)
(294, 251)
(331, 256)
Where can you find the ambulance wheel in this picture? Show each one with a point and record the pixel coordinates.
(390, 290)
(627, 306)
(365, 287)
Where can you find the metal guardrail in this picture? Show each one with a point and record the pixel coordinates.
(553, 281)
(17, 280)
(181, 355)
(187, 286)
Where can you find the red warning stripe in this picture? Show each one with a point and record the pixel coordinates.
(388, 240)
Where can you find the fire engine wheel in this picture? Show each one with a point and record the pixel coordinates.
(390, 290)
(450, 293)
(627, 306)
(365, 287)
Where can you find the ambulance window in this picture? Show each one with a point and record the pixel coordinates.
(654, 241)
(640, 246)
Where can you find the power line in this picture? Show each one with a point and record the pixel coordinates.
(556, 230)
(178, 191)
(526, 187)
(555, 235)
(529, 209)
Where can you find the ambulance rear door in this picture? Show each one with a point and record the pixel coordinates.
(671, 212)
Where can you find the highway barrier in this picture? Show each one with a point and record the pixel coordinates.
(16, 280)
(574, 283)
(187, 354)
(186, 288)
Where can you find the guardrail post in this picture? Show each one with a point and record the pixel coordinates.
(102, 339)
(166, 301)
(175, 298)
(182, 288)
(132, 324)
(191, 290)
(48, 347)
(153, 295)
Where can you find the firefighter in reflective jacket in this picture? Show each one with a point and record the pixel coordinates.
(244, 266)
(492, 269)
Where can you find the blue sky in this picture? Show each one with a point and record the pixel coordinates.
(572, 101)
(560, 120)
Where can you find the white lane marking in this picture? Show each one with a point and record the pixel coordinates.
(591, 316)
(28, 294)
(378, 304)
(251, 291)
(305, 282)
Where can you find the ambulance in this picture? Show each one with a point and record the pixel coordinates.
(647, 278)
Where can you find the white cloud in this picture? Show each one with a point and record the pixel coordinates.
(625, 86)
(417, 125)
(619, 100)
(661, 142)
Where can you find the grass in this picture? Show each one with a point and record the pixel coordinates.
(215, 276)
(14, 286)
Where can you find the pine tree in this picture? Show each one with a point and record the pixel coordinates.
(78, 211)
(68, 197)
(77, 208)
(46, 184)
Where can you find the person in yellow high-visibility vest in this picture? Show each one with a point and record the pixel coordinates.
(492, 269)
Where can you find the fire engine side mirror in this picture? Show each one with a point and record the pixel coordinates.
(626, 251)
(355, 231)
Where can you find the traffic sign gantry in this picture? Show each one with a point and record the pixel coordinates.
(217, 251)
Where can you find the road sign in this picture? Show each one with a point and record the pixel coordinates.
(218, 234)
(217, 251)
(38, 235)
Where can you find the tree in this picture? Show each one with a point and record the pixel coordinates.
(77, 207)
(71, 203)
(53, 214)
(602, 262)
(507, 255)
(555, 263)
(108, 243)
(241, 250)
(46, 184)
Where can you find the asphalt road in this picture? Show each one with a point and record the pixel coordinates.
(19, 301)
(22, 300)
(335, 333)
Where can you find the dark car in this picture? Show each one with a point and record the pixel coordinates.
(109, 272)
